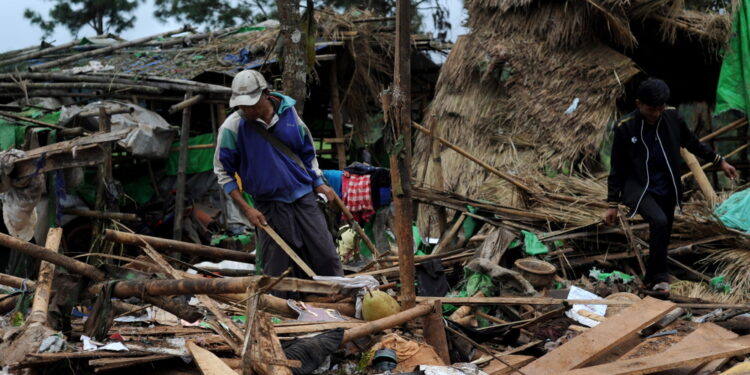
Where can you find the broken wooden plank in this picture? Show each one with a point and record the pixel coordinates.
(706, 332)
(496, 367)
(82, 157)
(434, 332)
(595, 342)
(691, 356)
(207, 362)
(79, 142)
(101, 214)
(43, 291)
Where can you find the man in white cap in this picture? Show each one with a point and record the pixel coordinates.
(267, 145)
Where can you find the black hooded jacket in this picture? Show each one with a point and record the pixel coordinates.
(628, 176)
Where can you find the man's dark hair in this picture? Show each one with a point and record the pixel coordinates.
(653, 92)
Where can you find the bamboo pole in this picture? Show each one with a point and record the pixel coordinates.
(186, 103)
(227, 285)
(123, 79)
(102, 214)
(700, 177)
(29, 120)
(43, 291)
(179, 206)
(357, 227)
(16, 282)
(39, 252)
(105, 50)
(91, 272)
(338, 122)
(512, 179)
(40, 53)
(288, 250)
(108, 112)
(448, 238)
(386, 323)
(726, 128)
(106, 87)
(178, 246)
(727, 156)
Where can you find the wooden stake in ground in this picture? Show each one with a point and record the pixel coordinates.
(401, 152)
(434, 332)
(179, 204)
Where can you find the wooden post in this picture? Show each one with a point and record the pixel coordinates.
(434, 332)
(437, 176)
(400, 155)
(294, 75)
(215, 131)
(104, 170)
(179, 204)
(338, 122)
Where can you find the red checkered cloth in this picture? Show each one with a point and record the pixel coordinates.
(355, 191)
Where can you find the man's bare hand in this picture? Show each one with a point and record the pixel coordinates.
(256, 217)
(327, 191)
(728, 169)
(611, 216)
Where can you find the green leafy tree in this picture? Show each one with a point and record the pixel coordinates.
(102, 15)
(215, 13)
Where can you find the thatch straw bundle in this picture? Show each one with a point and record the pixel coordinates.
(504, 90)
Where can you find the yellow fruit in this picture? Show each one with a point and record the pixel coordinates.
(378, 304)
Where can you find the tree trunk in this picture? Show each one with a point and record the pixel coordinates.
(293, 61)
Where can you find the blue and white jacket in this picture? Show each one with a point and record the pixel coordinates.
(265, 172)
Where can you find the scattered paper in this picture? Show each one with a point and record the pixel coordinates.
(578, 293)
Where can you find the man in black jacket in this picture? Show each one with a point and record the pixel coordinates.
(644, 172)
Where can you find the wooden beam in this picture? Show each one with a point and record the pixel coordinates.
(380, 325)
(596, 341)
(692, 356)
(84, 157)
(101, 214)
(207, 362)
(705, 332)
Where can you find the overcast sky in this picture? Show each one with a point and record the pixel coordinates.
(17, 32)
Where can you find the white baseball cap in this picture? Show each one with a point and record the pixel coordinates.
(247, 86)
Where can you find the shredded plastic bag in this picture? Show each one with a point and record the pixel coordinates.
(612, 277)
(19, 197)
(532, 245)
(735, 211)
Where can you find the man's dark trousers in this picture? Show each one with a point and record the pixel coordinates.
(659, 213)
(303, 227)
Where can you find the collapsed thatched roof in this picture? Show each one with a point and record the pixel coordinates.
(507, 90)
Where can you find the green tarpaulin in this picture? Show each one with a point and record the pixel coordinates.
(733, 90)
(199, 160)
